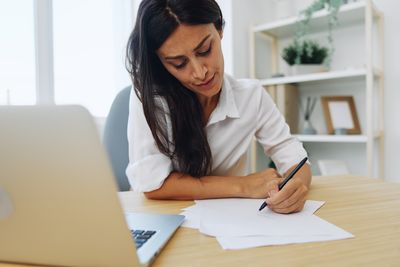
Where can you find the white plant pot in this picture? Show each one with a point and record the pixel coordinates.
(307, 69)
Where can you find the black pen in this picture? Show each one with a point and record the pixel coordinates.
(290, 176)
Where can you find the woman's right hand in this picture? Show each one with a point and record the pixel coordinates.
(261, 184)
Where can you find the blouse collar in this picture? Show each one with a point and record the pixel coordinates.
(226, 106)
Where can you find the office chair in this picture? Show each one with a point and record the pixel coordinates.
(115, 137)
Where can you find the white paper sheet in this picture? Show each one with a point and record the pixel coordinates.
(240, 217)
(192, 219)
(192, 213)
(237, 223)
(242, 242)
(310, 207)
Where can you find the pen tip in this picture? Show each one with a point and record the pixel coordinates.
(264, 204)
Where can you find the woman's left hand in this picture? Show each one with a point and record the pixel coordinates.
(290, 199)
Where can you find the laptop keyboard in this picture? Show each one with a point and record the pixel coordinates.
(141, 236)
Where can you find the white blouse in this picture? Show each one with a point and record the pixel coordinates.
(245, 110)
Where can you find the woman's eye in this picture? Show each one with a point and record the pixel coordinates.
(180, 66)
(205, 53)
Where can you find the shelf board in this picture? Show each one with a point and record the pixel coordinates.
(328, 138)
(332, 138)
(329, 75)
(349, 14)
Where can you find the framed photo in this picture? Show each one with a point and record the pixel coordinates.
(340, 113)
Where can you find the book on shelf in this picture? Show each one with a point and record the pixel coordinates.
(286, 98)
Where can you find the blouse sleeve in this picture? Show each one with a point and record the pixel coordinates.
(274, 135)
(148, 167)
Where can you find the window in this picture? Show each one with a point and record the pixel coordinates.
(89, 51)
(17, 53)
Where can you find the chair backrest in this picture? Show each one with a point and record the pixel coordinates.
(115, 137)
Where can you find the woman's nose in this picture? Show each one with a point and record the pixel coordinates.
(199, 70)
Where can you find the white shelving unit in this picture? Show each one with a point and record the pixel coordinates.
(331, 75)
(363, 13)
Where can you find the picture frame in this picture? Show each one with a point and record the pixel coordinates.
(340, 113)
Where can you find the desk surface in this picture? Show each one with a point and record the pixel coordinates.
(368, 208)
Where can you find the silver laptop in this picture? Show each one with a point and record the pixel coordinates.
(58, 197)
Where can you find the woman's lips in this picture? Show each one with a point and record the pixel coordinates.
(207, 83)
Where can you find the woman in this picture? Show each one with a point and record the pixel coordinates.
(190, 125)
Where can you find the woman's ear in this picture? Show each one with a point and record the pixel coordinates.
(221, 33)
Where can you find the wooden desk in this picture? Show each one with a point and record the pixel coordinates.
(368, 208)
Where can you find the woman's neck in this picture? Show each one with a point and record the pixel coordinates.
(208, 105)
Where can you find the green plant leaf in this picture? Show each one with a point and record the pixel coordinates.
(332, 7)
(307, 51)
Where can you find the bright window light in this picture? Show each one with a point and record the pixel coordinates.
(17, 53)
(89, 51)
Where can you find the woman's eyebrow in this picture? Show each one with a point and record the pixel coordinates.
(202, 42)
(197, 47)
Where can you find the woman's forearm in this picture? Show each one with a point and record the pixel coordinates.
(185, 187)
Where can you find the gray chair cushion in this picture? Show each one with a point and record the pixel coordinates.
(115, 137)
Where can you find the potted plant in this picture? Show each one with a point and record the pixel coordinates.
(305, 57)
(332, 7)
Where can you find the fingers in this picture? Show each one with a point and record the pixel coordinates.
(290, 199)
(295, 207)
(284, 196)
(272, 187)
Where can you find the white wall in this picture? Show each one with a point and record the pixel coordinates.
(227, 39)
(243, 15)
(390, 9)
(259, 10)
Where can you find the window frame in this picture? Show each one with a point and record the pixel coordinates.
(44, 52)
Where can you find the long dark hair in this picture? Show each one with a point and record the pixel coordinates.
(156, 21)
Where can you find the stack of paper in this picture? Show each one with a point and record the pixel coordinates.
(237, 223)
